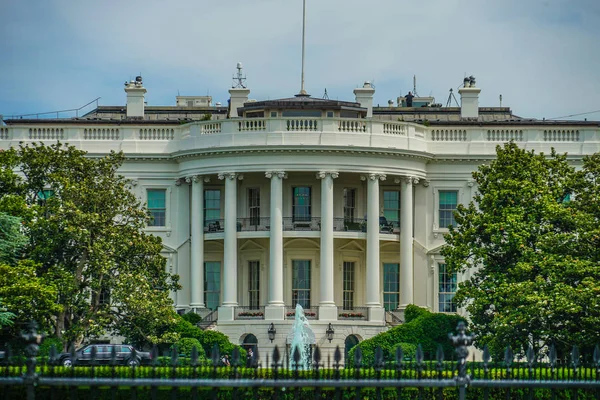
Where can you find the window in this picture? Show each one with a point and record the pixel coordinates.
(212, 284)
(391, 286)
(157, 206)
(446, 289)
(273, 114)
(448, 203)
(301, 113)
(329, 114)
(301, 210)
(254, 206)
(348, 294)
(349, 204)
(253, 285)
(391, 207)
(301, 283)
(212, 205)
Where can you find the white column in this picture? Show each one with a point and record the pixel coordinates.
(275, 309)
(230, 246)
(197, 243)
(406, 242)
(327, 308)
(376, 311)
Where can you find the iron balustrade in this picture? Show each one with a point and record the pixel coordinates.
(301, 224)
(253, 224)
(280, 375)
(214, 225)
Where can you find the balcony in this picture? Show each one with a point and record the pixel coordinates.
(302, 224)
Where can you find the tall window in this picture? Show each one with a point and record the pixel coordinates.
(212, 284)
(448, 203)
(391, 286)
(157, 206)
(301, 283)
(349, 204)
(446, 289)
(212, 205)
(348, 294)
(301, 210)
(253, 284)
(254, 206)
(391, 206)
(44, 195)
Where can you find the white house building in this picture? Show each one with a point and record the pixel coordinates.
(339, 206)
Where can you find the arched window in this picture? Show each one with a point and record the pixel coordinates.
(249, 341)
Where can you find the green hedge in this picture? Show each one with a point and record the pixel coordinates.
(421, 327)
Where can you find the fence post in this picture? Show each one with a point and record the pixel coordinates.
(461, 342)
(31, 337)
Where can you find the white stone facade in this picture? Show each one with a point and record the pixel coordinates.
(257, 176)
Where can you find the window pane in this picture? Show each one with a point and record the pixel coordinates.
(212, 284)
(254, 284)
(447, 206)
(157, 206)
(391, 207)
(301, 206)
(301, 283)
(348, 294)
(212, 205)
(446, 289)
(391, 286)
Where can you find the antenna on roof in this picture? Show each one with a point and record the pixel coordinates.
(238, 78)
(415, 86)
(302, 91)
(325, 95)
(450, 97)
(500, 100)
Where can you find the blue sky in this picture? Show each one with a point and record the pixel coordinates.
(543, 56)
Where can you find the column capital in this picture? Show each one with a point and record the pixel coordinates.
(323, 174)
(407, 179)
(196, 178)
(426, 182)
(471, 183)
(230, 175)
(279, 174)
(373, 177)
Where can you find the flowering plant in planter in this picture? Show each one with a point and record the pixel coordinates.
(351, 315)
(306, 314)
(251, 314)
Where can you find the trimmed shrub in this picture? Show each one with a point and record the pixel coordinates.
(47, 344)
(413, 312)
(423, 327)
(192, 318)
(184, 346)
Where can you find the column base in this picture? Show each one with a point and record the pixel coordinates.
(226, 313)
(195, 306)
(275, 313)
(375, 314)
(328, 313)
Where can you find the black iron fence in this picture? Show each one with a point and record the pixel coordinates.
(278, 377)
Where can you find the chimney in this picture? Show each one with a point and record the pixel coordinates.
(135, 97)
(364, 96)
(469, 99)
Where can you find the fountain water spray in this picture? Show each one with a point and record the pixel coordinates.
(301, 337)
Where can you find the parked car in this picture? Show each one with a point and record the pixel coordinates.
(123, 352)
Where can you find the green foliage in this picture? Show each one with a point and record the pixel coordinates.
(533, 255)
(6, 317)
(192, 318)
(206, 117)
(185, 345)
(409, 350)
(427, 329)
(12, 239)
(413, 312)
(87, 241)
(48, 343)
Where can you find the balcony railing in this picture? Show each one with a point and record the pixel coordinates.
(214, 225)
(253, 224)
(349, 225)
(301, 224)
(356, 314)
(309, 313)
(246, 312)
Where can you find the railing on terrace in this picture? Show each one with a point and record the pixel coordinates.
(309, 312)
(248, 312)
(302, 224)
(377, 375)
(214, 225)
(254, 224)
(355, 314)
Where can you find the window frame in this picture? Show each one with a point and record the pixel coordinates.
(253, 292)
(437, 230)
(345, 207)
(295, 218)
(253, 220)
(395, 222)
(168, 192)
(352, 284)
(206, 220)
(295, 297)
(384, 291)
(438, 284)
(220, 283)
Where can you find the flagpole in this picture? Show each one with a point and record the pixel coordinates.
(302, 91)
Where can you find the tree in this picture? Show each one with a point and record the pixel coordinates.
(85, 231)
(532, 248)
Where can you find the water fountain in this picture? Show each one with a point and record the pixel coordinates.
(301, 337)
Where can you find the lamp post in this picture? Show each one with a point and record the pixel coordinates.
(329, 332)
(271, 332)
